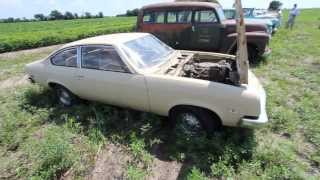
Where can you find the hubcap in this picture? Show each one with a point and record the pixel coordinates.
(189, 124)
(64, 97)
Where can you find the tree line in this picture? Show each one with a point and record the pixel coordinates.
(54, 15)
(133, 12)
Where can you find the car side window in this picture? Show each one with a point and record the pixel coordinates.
(66, 58)
(102, 58)
(206, 16)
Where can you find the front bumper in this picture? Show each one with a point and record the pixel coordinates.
(263, 118)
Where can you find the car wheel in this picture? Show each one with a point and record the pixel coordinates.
(191, 122)
(65, 97)
(252, 54)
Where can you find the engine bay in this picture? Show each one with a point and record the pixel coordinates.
(222, 71)
(206, 67)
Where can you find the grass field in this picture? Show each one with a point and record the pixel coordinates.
(41, 140)
(26, 35)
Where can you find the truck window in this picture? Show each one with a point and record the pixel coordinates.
(206, 16)
(184, 16)
(153, 17)
(221, 14)
(179, 17)
(159, 17)
(172, 17)
(147, 18)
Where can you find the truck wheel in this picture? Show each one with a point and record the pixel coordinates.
(65, 97)
(252, 54)
(191, 122)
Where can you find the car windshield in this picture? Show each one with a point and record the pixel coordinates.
(221, 14)
(147, 51)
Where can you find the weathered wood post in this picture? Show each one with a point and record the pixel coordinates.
(242, 51)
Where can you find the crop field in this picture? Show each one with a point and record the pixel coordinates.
(26, 35)
(39, 139)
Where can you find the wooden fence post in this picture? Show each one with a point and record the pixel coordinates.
(242, 51)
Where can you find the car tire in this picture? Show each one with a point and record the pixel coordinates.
(252, 54)
(65, 97)
(192, 121)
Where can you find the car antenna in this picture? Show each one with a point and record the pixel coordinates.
(242, 51)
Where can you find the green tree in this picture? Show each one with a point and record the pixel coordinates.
(9, 20)
(100, 15)
(55, 15)
(87, 15)
(275, 5)
(68, 15)
(76, 16)
(39, 17)
(133, 12)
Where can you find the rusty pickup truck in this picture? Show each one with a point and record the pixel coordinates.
(200, 26)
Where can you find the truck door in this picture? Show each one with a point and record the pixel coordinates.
(154, 23)
(207, 30)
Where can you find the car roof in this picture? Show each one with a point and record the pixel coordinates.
(181, 4)
(111, 39)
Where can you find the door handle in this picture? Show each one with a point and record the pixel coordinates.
(79, 77)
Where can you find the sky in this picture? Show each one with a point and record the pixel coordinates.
(27, 8)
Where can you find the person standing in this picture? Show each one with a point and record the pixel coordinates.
(292, 16)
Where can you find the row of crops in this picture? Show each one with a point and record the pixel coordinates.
(25, 35)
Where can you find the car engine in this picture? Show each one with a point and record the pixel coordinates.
(222, 71)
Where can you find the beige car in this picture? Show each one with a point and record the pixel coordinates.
(138, 71)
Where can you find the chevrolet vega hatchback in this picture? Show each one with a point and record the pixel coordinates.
(138, 71)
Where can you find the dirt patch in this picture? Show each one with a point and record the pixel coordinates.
(163, 170)
(14, 82)
(16, 54)
(111, 163)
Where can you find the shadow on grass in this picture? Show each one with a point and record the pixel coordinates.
(218, 155)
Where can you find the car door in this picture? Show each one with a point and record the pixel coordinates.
(63, 68)
(104, 77)
(206, 30)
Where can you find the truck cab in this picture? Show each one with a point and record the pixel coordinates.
(199, 26)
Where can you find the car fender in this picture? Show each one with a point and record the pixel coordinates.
(188, 102)
(258, 39)
(166, 92)
(52, 81)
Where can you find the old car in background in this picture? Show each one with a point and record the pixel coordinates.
(274, 17)
(136, 70)
(231, 14)
(200, 26)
